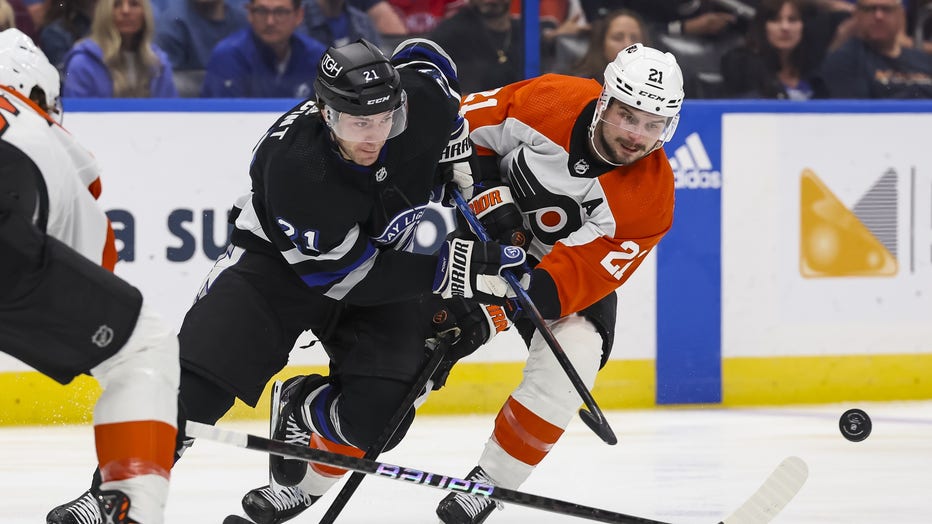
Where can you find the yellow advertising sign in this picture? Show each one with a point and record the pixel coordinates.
(834, 242)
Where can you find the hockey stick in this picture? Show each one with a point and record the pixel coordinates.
(775, 493)
(594, 418)
(376, 448)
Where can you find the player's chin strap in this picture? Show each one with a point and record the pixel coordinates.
(594, 417)
(416, 395)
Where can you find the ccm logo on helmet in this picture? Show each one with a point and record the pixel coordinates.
(330, 66)
(377, 100)
(651, 96)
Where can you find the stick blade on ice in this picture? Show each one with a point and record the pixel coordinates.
(773, 495)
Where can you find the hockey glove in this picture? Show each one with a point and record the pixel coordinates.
(456, 176)
(497, 211)
(471, 269)
(455, 162)
(466, 326)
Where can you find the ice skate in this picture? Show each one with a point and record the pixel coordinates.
(270, 505)
(82, 510)
(114, 507)
(459, 508)
(284, 426)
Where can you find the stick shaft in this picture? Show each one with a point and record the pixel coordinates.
(410, 475)
(352, 483)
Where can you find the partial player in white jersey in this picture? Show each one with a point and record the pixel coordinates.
(64, 314)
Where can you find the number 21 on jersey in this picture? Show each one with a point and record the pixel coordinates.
(631, 251)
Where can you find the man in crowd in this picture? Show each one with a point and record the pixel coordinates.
(874, 63)
(267, 59)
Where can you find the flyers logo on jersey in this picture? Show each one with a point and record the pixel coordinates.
(837, 242)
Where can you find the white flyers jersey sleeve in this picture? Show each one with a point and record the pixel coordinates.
(70, 174)
(592, 224)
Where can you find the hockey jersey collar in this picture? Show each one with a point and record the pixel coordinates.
(582, 163)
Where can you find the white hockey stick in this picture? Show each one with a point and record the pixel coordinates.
(773, 495)
(776, 492)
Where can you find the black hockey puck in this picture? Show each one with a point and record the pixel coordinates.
(855, 425)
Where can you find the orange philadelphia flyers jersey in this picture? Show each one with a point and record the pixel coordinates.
(592, 223)
(66, 209)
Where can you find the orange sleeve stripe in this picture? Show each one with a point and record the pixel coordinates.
(95, 188)
(109, 256)
(131, 449)
(524, 435)
(318, 442)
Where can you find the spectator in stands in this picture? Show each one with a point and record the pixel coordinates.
(387, 20)
(66, 22)
(616, 31)
(776, 61)
(336, 23)
(119, 59)
(189, 30)
(22, 20)
(7, 16)
(485, 42)
(267, 59)
(420, 17)
(36, 10)
(676, 17)
(561, 22)
(875, 63)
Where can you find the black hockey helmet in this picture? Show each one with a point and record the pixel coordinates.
(358, 79)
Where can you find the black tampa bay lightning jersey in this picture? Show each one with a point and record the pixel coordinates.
(345, 229)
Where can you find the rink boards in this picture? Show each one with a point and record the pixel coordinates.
(798, 270)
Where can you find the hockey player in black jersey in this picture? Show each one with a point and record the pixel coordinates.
(321, 242)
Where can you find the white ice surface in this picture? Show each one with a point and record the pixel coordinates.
(678, 465)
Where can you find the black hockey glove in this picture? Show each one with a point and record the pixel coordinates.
(465, 325)
(472, 269)
(496, 210)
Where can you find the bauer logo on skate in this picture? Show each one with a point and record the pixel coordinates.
(430, 479)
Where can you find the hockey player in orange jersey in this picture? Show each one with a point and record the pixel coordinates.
(64, 314)
(573, 172)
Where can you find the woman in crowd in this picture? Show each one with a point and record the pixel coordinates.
(616, 31)
(777, 60)
(7, 17)
(119, 59)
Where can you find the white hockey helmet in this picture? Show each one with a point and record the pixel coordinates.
(645, 79)
(24, 67)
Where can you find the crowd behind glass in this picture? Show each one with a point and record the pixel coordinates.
(776, 49)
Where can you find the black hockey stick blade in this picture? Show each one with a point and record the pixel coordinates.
(407, 404)
(776, 492)
(598, 426)
(594, 418)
